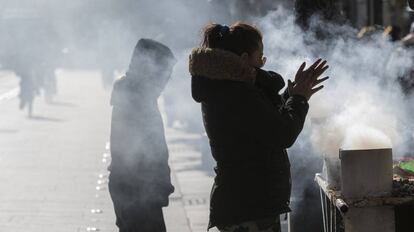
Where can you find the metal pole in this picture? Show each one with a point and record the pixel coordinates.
(323, 210)
(332, 207)
(328, 208)
(335, 226)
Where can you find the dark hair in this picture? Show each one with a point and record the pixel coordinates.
(238, 38)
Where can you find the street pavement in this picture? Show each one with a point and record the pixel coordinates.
(192, 180)
(53, 165)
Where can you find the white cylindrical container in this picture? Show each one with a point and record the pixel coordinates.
(366, 173)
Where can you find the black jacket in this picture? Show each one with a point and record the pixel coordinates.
(138, 147)
(249, 126)
(139, 166)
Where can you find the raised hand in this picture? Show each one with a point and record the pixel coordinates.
(306, 80)
(313, 72)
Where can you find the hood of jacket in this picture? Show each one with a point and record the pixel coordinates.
(217, 64)
(150, 55)
(150, 69)
(208, 67)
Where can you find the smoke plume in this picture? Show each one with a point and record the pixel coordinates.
(362, 105)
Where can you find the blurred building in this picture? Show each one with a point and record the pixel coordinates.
(359, 13)
(394, 13)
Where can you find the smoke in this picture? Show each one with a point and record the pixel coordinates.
(362, 105)
(362, 91)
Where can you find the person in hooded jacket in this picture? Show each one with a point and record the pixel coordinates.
(249, 125)
(139, 181)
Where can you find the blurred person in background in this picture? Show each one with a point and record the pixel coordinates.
(28, 89)
(139, 182)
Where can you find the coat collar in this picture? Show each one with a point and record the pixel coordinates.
(218, 64)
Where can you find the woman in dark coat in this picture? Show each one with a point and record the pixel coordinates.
(249, 126)
(139, 182)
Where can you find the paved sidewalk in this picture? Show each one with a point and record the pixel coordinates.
(50, 163)
(53, 165)
(193, 184)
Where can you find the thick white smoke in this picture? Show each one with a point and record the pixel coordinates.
(362, 92)
(361, 106)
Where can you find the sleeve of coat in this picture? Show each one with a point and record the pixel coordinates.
(285, 95)
(279, 126)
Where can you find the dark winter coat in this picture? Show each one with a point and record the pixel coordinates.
(139, 166)
(249, 126)
(138, 147)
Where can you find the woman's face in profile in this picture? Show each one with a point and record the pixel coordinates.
(256, 59)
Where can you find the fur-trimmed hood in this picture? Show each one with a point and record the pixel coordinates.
(218, 64)
(211, 67)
